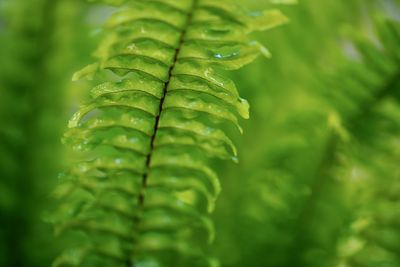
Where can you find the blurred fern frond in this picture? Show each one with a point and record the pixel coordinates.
(296, 193)
(356, 93)
(37, 37)
(369, 165)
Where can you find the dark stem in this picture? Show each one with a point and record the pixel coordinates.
(166, 84)
(157, 120)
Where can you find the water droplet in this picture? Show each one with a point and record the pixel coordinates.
(243, 108)
(227, 55)
(255, 13)
(133, 140)
(132, 48)
(235, 159)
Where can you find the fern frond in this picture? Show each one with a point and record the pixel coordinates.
(354, 151)
(295, 167)
(143, 187)
(373, 233)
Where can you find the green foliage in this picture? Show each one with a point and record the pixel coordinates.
(160, 110)
(37, 37)
(299, 193)
(157, 137)
(370, 154)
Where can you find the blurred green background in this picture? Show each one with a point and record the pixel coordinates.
(318, 182)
